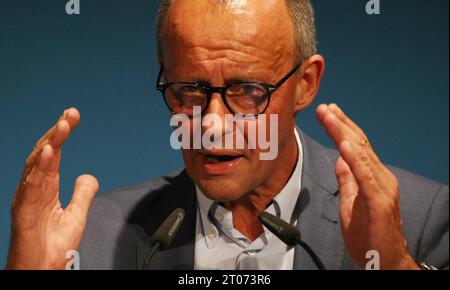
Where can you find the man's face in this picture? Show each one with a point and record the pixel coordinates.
(220, 43)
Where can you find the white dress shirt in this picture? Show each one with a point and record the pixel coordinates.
(219, 246)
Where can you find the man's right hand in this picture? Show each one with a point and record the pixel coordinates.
(42, 231)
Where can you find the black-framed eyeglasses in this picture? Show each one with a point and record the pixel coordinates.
(243, 98)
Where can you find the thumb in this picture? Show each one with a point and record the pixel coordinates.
(85, 189)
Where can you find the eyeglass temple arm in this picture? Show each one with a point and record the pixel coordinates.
(159, 84)
(288, 76)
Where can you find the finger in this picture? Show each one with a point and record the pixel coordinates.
(60, 135)
(29, 187)
(348, 127)
(340, 128)
(63, 135)
(321, 111)
(45, 159)
(347, 182)
(85, 189)
(72, 116)
(39, 172)
(336, 129)
(348, 190)
(56, 136)
(344, 118)
(360, 138)
(66, 124)
(360, 168)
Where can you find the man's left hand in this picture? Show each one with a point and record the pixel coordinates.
(369, 195)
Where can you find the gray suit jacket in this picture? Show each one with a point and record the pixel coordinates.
(120, 222)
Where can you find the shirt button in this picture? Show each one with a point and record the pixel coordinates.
(219, 217)
(212, 235)
(251, 253)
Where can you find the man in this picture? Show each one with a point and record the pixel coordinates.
(346, 203)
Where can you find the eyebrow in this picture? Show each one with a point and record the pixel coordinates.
(234, 80)
(244, 80)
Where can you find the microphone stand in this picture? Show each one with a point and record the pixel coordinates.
(311, 253)
(150, 255)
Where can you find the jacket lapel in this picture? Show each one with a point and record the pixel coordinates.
(318, 207)
(180, 258)
(178, 193)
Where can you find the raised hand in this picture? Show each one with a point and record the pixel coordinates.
(369, 195)
(42, 231)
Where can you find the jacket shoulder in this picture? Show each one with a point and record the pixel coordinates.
(118, 203)
(121, 220)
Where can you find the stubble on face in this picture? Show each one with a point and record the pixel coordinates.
(215, 43)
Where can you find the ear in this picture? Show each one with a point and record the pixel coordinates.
(308, 83)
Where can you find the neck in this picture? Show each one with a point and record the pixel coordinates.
(247, 209)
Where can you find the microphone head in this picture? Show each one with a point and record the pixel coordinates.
(168, 229)
(284, 231)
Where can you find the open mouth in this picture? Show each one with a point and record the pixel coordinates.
(220, 158)
(218, 163)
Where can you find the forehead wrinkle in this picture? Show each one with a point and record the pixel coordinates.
(234, 53)
(202, 65)
(267, 28)
(267, 47)
(248, 55)
(237, 64)
(185, 17)
(205, 38)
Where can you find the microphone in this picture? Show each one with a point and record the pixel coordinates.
(289, 235)
(165, 234)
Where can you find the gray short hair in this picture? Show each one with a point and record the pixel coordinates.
(302, 14)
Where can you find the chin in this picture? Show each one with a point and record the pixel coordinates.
(222, 189)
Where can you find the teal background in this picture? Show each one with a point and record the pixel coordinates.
(389, 73)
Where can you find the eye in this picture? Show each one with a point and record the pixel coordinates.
(249, 90)
(184, 91)
(253, 90)
(188, 89)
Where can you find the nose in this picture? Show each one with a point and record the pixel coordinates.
(213, 119)
(216, 105)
